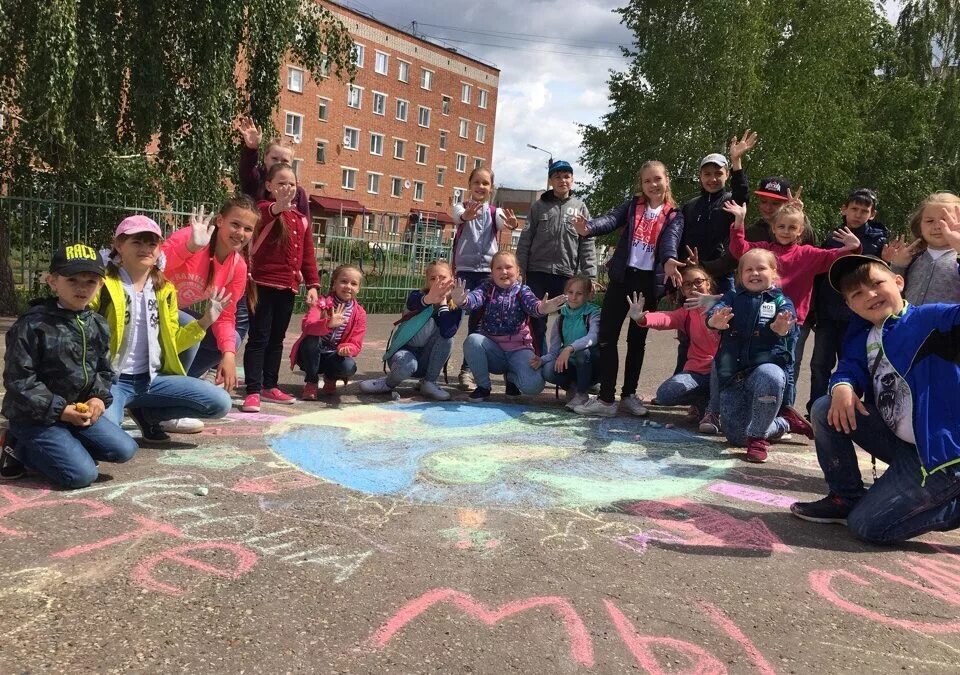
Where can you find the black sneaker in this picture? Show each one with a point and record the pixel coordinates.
(149, 432)
(512, 389)
(11, 468)
(830, 509)
(479, 394)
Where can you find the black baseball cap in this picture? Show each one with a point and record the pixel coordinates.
(841, 267)
(773, 187)
(76, 258)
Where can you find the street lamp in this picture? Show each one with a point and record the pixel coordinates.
(548, 152)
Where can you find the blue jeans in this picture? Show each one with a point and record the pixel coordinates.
(484, 356)
(472, 279)
(685, 388)
(426, 361)
(65, 454)
(749, 406)
(579, 373)
(897, 507)
(314, 362)
(167, 397)
(204, 355)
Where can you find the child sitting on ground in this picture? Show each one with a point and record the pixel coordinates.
(902, 359)
(423, 339)
(57, 377)
(333, 331)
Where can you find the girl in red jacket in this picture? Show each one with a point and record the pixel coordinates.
(282, 259)
(333, 331)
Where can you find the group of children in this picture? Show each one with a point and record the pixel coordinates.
(120, 334)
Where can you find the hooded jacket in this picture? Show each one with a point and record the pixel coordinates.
(55, 357)
(706, 226)
(549, 243)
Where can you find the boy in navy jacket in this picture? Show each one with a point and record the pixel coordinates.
(904, 361)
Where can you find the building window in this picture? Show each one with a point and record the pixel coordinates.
(293, 126)
(421, 153)
(477, 162)
(348, 179)
(295, 79)
(358, 55)
(394, 224)
(426, 79)
(295, 165)
(382, 65)
(399, 147)
(417, 191)
(351, 138)
(354, 96)
(403, 71)
(461, 163)
(464, 128)
(396, 186)
(321, 152)
(458, 195)
(481, 134)
(373, 183)
(441, 174)
(443, 140)
(379, 103)
(482, 98)
(369, 222)
(325, 66)
(445, 105)
(465, 91)
(423, 117)
(323, 109)
(376, 144)
(402, 107)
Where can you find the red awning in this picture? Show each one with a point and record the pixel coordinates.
(438, 216)
(337, 205)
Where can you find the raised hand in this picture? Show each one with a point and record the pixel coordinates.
(795, 198)
(671, 270)
(721, 318)
(950, 225)
(738, 148)
(219, 301)
(438, 291)
(471, 210)
(458, 294)
(285, 195)
(550, 305)
(201, 229)
(693, 256)
(783, 323)
(698, 300)
(899, 253)
(846, 236)
(635, 306)
(579, 222)
(250, 134)
(738, 211)
(511, 221)
(337, 316)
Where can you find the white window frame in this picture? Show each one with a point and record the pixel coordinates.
(394, 220)
(296, 133)
(426, 150)
(480, 133)
(477, 162)
(482, 98)
(461, 166)
(357, 136)
(420, 111)
(466, 92)
(291, 71)
(406, 109)
(382, 138)
(326, 101)
(423, 189)
(464, 130)
(344, 174)
(446, 102)
(325, 143)
(351, 88)
(402, 155)
(370, 176)
(442, 142)
(426, 79)
(441, 175)
(396, 181)
(295, 165)
(403, 67)
(373, 103)
(376, 62)
(458, 194)
(358, 50)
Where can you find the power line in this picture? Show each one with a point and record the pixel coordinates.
(523, 36)
(521, 49)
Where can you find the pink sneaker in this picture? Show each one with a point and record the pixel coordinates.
(309, 391)
(251, 403)
(757, 450)
(329, 387)
(276, 396)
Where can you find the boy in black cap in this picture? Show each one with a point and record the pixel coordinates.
(57, 377)
(904, 361)
(772, 193)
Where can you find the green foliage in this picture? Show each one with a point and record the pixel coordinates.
(840, 98)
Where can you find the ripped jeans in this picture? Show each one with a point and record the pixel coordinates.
(749, 405)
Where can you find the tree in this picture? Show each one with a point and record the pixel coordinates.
(140, 96)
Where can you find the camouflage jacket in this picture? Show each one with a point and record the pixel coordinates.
(55, 357)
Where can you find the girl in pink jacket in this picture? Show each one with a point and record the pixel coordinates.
(333, 331)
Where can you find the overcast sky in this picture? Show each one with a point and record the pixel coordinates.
(554, 58)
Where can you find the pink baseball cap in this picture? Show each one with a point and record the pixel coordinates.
(135, 224)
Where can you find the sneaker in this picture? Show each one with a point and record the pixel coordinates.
(798, 425)
(466, 380)
(710, 424)
(276, 396)
(309, 391)
(184, 425)
(11, 468)
(577, 401)
(148, 431)
(479, 394)
(377, 386)
(757, 450)
(830, 509)
(251, 403)
(329, 387)
(512, 389)
(597, 407)
(431, 390)
(634, 406)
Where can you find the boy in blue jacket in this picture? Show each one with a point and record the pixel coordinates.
(904, 360)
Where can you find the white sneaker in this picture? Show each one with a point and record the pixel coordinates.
(431, 390)
(184, 425)
(378, 386)
(634, 406)
(466, 380)
(595, 406)
(577, 401)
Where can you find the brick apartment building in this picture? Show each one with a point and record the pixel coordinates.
(394, 148)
